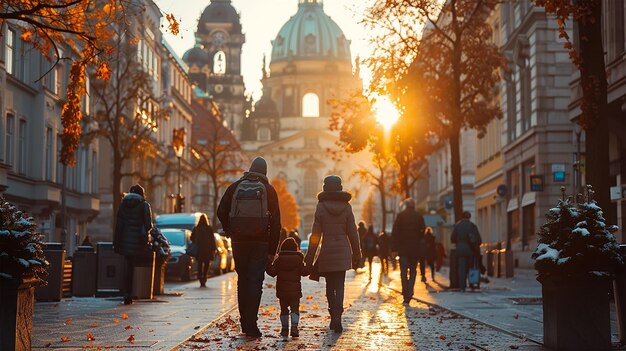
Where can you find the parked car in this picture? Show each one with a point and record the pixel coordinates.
(230, 259)
(180, 264)
(304, 246)
(178, 220)
(220, 262)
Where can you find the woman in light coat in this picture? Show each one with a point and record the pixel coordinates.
(334, 245)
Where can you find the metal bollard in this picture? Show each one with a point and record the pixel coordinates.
(619, 292)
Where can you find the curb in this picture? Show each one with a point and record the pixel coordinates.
(201, 330)
(522, 337)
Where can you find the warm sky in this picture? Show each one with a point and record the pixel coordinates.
(261, 20)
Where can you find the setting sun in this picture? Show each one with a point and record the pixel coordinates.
(386, 113)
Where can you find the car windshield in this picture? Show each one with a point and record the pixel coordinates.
(175, 238)
(188, 226)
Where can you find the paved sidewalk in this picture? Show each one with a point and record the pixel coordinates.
(160, 324)
(375, 319)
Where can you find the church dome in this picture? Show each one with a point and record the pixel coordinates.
(310, 34)
(196, 55)
(265, 108)
(219, 11)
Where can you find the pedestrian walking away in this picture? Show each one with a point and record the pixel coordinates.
(362, 230)
(334, 225)
(288, 267)
(369, 247)
(250, 216)
(406, 240)
(464, 235)
(132, 229)
(204, 239)
(384, 252)
(430, 251)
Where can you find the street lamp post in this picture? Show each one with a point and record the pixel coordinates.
(178, 144)
(179, 155)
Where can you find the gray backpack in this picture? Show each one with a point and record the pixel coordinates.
(249, 216)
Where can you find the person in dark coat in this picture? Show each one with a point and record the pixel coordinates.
(294, 234)
(132, 227)
(464, 235)
(406, 240)
(288, 268)
(369, 247)
(384, 252)
(202, 235)
(335, 227)
(430, 250)
(252, 253)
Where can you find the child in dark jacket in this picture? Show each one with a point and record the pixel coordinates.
(288, 267)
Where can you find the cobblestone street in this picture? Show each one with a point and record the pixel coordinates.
(374, 319)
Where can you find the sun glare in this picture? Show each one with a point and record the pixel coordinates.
(386, 113)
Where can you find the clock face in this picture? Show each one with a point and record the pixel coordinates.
(218, 38)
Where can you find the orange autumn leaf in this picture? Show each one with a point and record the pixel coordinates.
(128, 327)
(68, 321)
(65, 338)
(90, 337)
(93, 325)
(124, 316)
(309, 297)
(104, 71)
(314, 306)
(116, 321)
(442, 337)
(131, 338)
(173, 25)
(408, 343)
(373, 298)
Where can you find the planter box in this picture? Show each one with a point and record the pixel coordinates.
(16, 313)
(576, 313)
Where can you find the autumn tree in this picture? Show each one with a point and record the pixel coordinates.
(369, 207)
(381, 176)
(127, 111)
(87, 27)
(437, 60)
(589, 59)
(216, 152)
(289, 217)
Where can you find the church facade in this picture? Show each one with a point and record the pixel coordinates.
(310, 63)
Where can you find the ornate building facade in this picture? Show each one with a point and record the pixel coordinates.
(289, 125)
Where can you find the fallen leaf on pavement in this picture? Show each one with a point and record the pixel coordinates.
(269, 286)
(514, 347)
(131, 338)
(124, 316)
(128, 327)
(516, 316)
(65, 338)
(314, 307)
(442, 337)
(116, 321)
(68, 321)
(309, 297)
(90, 337)
(408, 343)
(373, 298)
(93, 325)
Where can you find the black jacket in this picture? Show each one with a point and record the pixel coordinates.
(408, 233)
(288, 267)
(223, 210)
(466, 237)
(134, 222)
(205, 239)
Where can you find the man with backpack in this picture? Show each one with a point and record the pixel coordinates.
(407, 239)
(250, 216)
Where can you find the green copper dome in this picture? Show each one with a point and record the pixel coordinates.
(310, 34)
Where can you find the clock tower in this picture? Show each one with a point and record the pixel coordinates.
(215, 61)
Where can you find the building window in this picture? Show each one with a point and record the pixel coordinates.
(310, 105)
(94, 172)
(511, 102)
(10, 52)
(10, 132)
(528, 168)
(514, 225)
(525, 91)
(264, 134)
(514, 183)
(310, 143)
(60, 166)
(311, 184)
(22, 156)
(49, 153)
(58, 79)
(219, 63)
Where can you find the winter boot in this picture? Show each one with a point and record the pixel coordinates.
(333, 319)
(338, 328)
(295, 320)
(284, 322)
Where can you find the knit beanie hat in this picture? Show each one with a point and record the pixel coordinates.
(259, 165)
(137, 189)
(332, 183)
(289, 244)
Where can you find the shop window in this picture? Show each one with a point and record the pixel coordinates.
(310, 105)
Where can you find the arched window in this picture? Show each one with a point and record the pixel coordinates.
(263, 134)
(310, 105)
(219, 63)
(311, 184)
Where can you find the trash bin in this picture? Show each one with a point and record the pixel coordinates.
(159, 274)
(143, 276)
(83, 279)
(454, 280)
(110, 273)
(55, 255)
